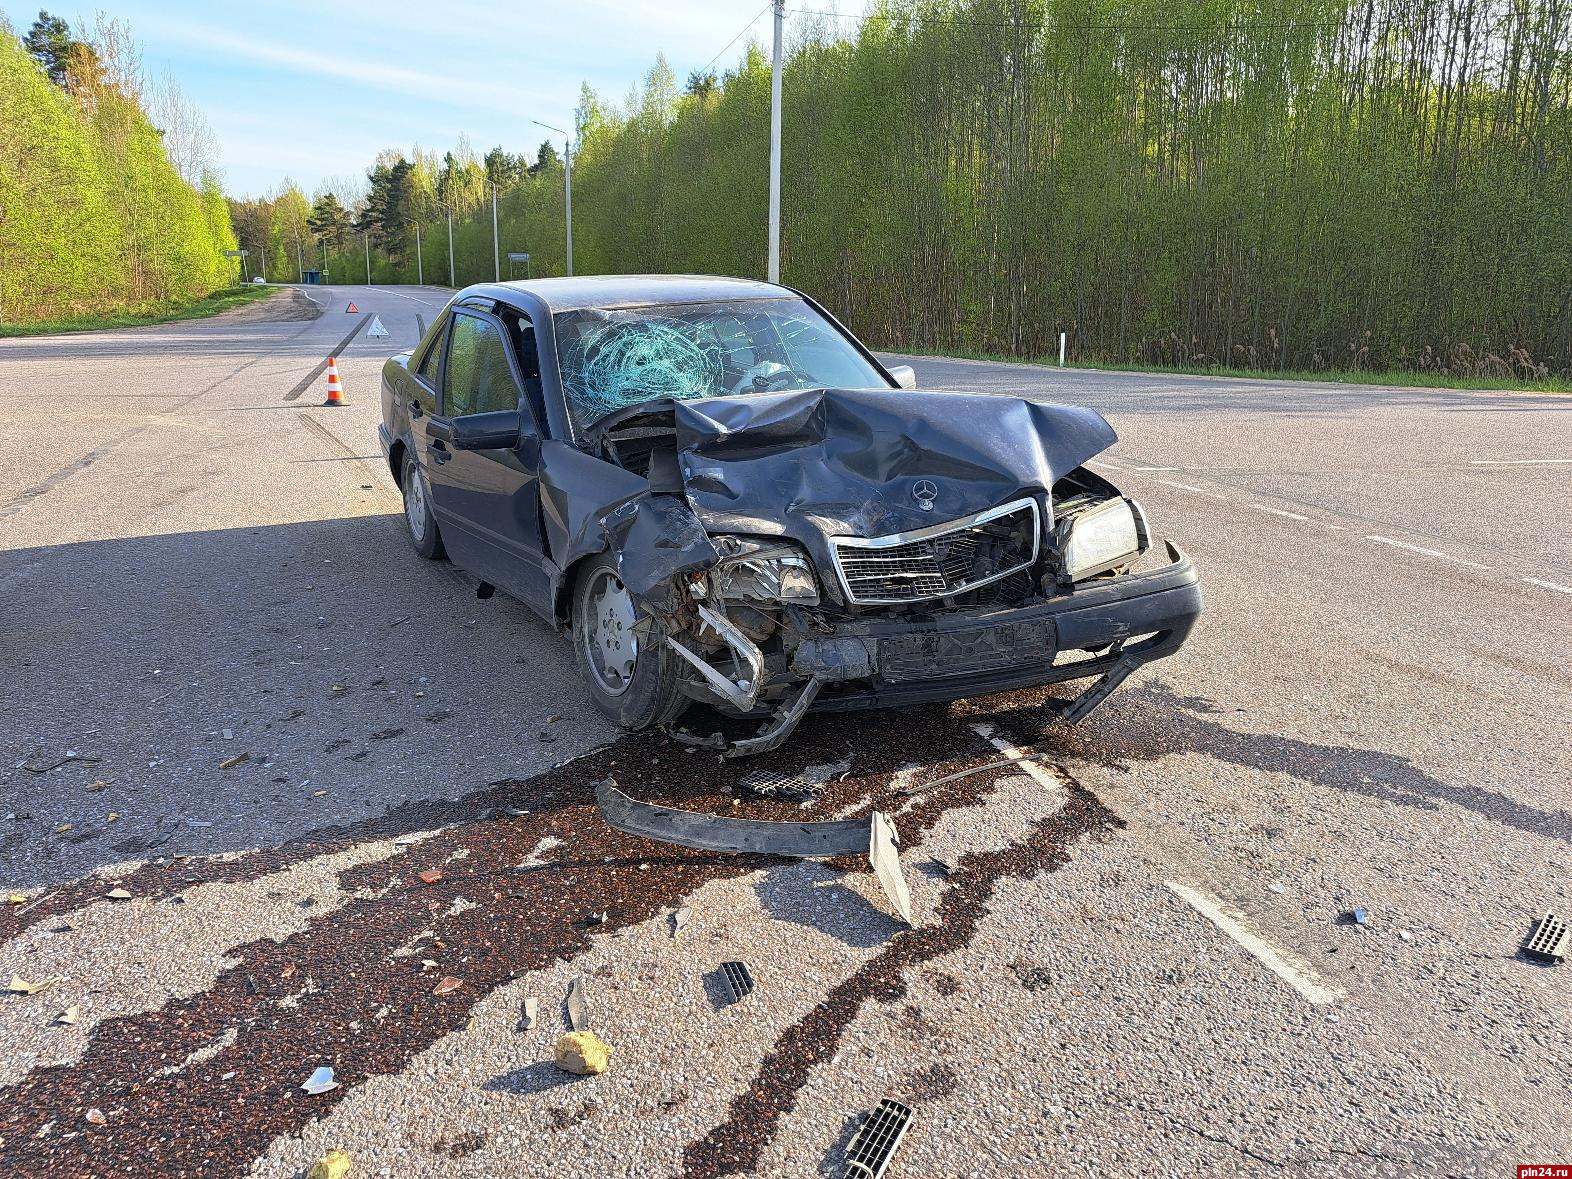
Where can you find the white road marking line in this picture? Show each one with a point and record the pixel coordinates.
(1295, 974)
(1157, 468)
(1188, 487)
(1414, 548)
(1043, 777)
(1514, 462)
(1279, 512)
(1550, 585)
(1105, 466)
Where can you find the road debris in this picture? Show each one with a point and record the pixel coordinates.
(873, 836)
(16, 898)
(431, 876)
(71, 755)
(62, 828)
(594, 919)
(578, 1011)
(447, 986)
(886, 861)
(870, 1152)
(583, 1053)
(118, 894)
(230, 763)
(908, 791)
(334, 1164)
(69, 1016)
(679, 920)
(20, 986)
(320, 1081)
(96, 786)
(96, 1117)
(531, 1014)
(1550, 940)
(1278, 886)
(112, 817)
(738, 979)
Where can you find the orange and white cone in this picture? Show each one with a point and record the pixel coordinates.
(335, 386)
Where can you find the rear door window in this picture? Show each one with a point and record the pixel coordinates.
(478, 378)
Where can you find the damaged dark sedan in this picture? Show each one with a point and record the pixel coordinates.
(722, 496)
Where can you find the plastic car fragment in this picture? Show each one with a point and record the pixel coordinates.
(873, 836)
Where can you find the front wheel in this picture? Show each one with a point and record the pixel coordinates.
(631, 673)
(418, 517)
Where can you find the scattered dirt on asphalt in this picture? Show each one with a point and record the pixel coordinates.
(336, 993)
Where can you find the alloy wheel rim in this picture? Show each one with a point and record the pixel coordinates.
(415, 506)
(610, 646)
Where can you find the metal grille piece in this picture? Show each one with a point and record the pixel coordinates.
(1550, 939)
(941, 561)
(871, 1151)
(738, 979)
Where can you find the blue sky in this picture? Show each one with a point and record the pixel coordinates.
(312, 90)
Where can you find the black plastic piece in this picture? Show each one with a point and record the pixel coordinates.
(738, 979)
(1550, 940)
(870, 1152)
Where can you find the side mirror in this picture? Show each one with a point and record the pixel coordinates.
(905, 375)
(488, 431)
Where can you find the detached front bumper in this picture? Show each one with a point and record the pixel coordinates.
(1124, 622)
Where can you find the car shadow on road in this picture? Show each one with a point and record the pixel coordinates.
(1153, 721)
(243, 687)
(816, 897)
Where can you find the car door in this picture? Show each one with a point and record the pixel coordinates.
(487, 502)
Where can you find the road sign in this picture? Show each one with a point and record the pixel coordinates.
(234, 253)
(518, 258)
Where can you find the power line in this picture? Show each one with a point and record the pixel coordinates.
(1121, 26)
(751, 22)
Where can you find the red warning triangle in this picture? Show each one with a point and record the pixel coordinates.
(352, 310)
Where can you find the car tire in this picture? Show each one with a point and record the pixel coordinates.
(419, 522)
(632, 683)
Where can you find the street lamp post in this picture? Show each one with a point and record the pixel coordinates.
(775, 148)
(452, 282)
(496, 247)
(567, 159)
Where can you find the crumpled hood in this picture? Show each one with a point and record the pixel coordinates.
(810, 464)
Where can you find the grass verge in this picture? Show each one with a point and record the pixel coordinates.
(167, 311)
(1417, 380)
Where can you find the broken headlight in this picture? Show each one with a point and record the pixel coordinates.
(1111, 534)
(768, 573)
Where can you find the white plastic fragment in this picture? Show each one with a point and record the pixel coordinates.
(320, 1081)
(886, 861)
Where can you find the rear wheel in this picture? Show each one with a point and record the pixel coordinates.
(418, 517)
(631, 673)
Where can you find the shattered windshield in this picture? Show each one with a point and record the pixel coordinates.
(613, 359)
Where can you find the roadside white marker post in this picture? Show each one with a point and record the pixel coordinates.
(775, 147)
(368, 258)
(1061, 349)
(496, 249)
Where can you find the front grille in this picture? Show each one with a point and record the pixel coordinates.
(941, 561)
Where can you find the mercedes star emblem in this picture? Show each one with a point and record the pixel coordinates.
(924, 492)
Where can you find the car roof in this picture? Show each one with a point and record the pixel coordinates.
(624, 290)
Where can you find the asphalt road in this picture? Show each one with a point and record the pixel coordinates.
(1136, 964)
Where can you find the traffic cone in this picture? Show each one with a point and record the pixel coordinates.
(352, 310)
(335, 386)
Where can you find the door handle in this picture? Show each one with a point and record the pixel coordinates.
(439, 452)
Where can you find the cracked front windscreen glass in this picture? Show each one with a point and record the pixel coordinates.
(614, 359)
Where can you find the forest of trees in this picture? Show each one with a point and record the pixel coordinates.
(1304, 184)
(108, 202)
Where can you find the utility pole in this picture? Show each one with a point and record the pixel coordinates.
(368, 258)
(420, 263)
(451, 281)
(567, 157)
(496, 247)
(775, 147)
(299, 262)
(264, 259)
